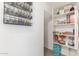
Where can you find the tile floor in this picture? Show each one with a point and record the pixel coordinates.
(47, 52)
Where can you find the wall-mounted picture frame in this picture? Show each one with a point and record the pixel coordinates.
(18, 13)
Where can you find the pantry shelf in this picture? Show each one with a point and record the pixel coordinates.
(64, 14)
(71, 24)
(66, 46)
(59, 44)
(66, 28)
(67, 35)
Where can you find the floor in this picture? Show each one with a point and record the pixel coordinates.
(47, 52)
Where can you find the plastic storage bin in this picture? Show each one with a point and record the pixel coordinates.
(56, 51)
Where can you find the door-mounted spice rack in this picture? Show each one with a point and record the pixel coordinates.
(18, 13)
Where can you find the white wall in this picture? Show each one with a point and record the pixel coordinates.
(48, 41)
(23, 40)
(47, 19)
(50, 35)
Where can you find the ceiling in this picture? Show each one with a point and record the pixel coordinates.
(57, 4)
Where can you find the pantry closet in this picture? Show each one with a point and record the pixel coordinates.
(65, 29)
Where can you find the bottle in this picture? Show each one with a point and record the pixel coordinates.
(72, 8)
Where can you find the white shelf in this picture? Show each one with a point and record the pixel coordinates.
(66, 46)
(68, 35)
(64, 24)
(59, 44)
(60, 24)
(56, 16)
